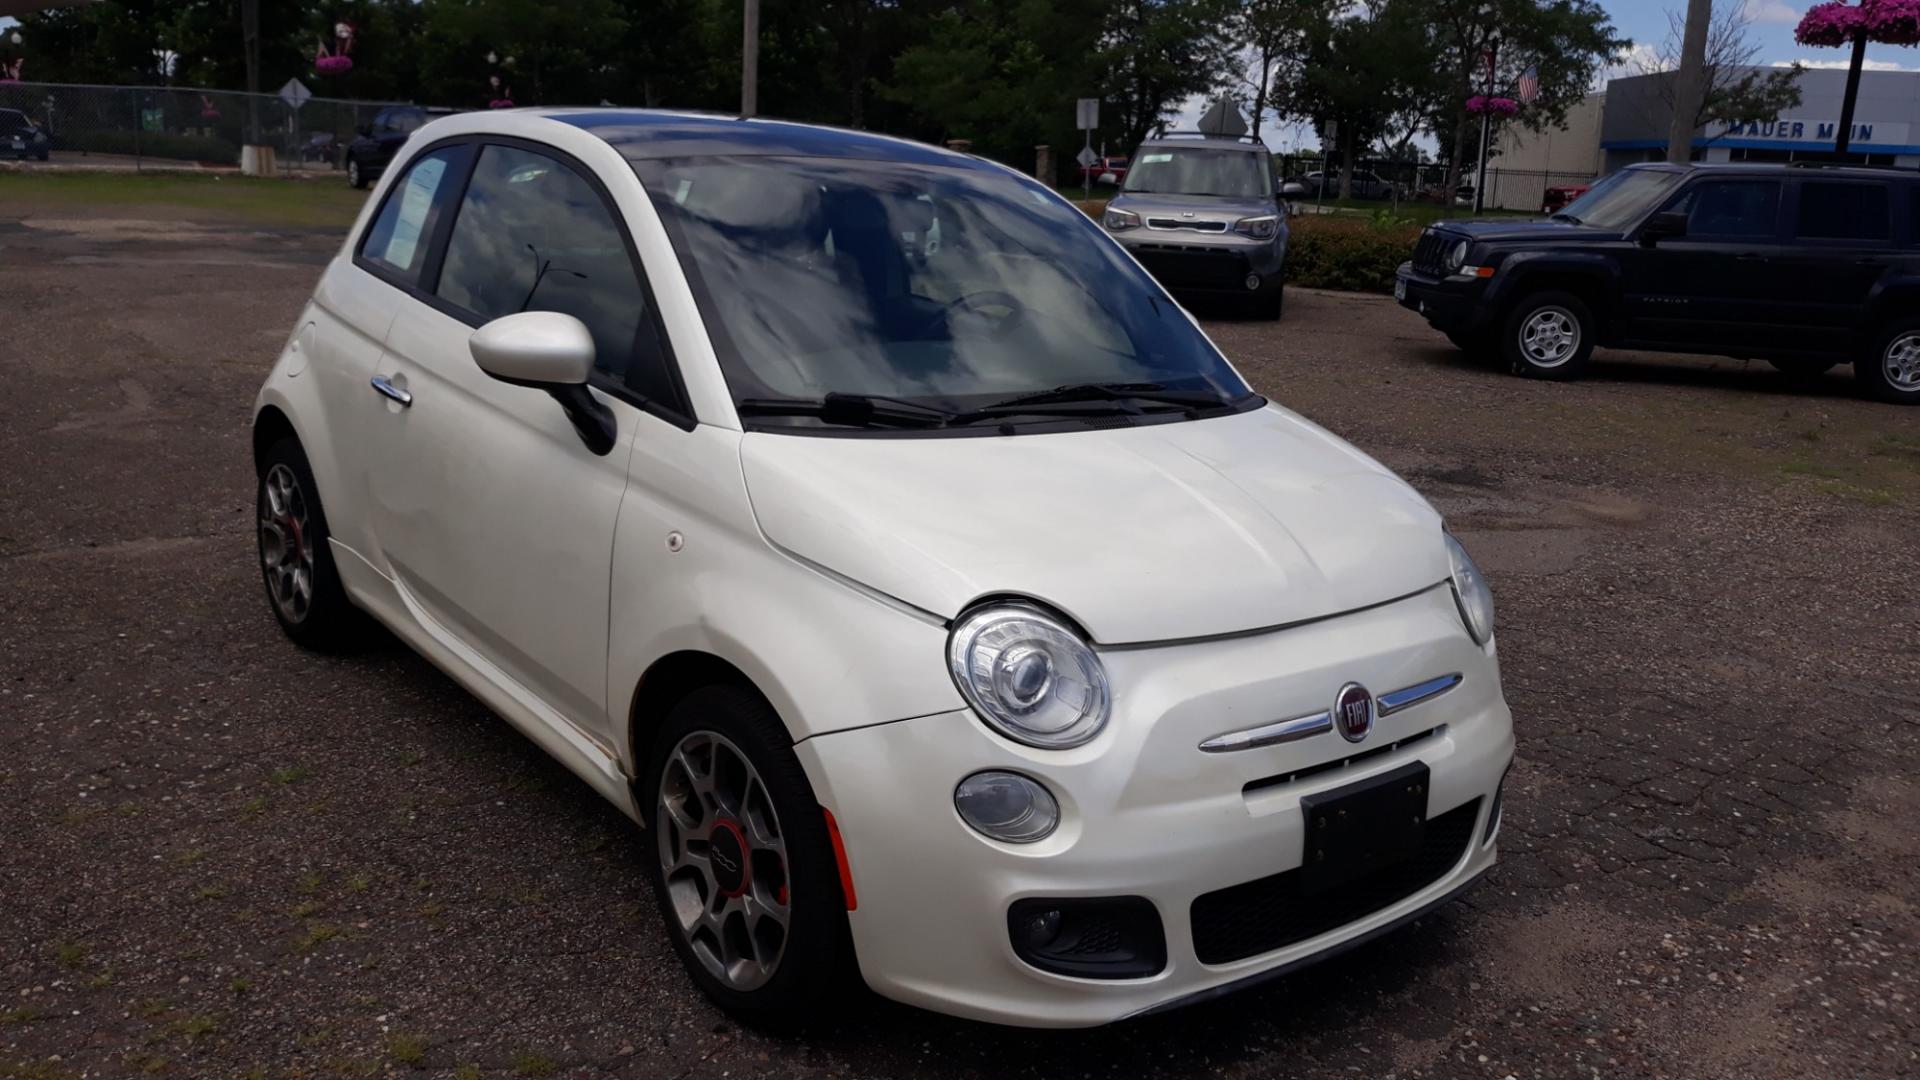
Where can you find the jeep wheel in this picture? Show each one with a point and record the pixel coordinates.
(1548, 335)
(1891, 372)
(355, 178)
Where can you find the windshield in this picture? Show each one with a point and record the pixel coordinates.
(1193, 170)
(950, 288)
(1622, 198)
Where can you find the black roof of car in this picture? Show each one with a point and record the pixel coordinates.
(646, 133)
(1770, 168)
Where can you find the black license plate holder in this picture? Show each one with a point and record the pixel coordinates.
(1356, 830)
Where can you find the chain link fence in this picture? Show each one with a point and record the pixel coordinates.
(138, 126)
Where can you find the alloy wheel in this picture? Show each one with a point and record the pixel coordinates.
(1902, 363)
(286, 543)
(723, 858)
(1550, 337)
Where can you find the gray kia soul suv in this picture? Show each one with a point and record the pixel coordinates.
(1202, 214)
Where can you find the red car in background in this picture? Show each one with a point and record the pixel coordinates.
(1558, 197)
(1107, 170)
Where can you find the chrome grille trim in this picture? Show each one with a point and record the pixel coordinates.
(1302, 727)
(1167, 224)
(1414, 695)
(1299, 727)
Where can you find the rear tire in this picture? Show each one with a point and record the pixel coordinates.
(1548, 335)
(356, 177)
(296, 561)
(1891, 371)
(768, 940)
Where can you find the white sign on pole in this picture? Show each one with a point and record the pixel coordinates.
(1087, 113)
(295, 94)
(1086, 157)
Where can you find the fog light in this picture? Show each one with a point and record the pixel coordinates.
(1253, 282)
(1007, 806)
(1100, 937)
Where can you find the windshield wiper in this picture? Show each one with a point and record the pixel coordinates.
(1563, 216)
(850, 410)
(1117, 394)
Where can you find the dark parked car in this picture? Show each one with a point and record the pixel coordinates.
(368, 155)
(1366, 185)
(1805, 267)
(21, 137)
(1201, 214)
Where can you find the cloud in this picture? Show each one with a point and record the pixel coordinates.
(1771, 11)
(1842, 65)
(1638, 59)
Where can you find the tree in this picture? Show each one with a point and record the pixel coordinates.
(1566, 42)
(562, 54)
(1157, 54)
(1736, 87)
(1362, 70)
(1274, 35)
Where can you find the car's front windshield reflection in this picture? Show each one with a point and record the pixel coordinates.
(949, 287)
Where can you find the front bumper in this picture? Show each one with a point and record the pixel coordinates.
(1145, 813)
(1451, 304)
(1198, 265)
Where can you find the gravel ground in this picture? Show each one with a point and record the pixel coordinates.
(220, 855)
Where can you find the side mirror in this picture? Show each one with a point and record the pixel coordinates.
(1664, 225)
(551, 351)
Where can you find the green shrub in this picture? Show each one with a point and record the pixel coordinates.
(1357, 255)
(148, 144)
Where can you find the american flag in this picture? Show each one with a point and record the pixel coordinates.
(1530, 84)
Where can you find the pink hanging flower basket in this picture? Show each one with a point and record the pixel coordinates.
(500, 103)
(1837, 23)
(1495, 106)
(333, 65)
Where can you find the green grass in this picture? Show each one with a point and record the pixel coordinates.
(216, 199)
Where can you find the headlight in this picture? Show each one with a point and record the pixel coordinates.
(1007, 806)
(1260, 228)
(1470, 592)
(1116, 220)
(1457, 256)
(1029, 676)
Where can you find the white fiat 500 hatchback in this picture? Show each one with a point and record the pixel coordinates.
(867, 525)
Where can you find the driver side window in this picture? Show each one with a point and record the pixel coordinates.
(1731, 208)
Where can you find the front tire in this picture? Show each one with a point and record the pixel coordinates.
(1269, 306)
(296, 561)
(743, 867)
(1891, 372)
(1548, 335)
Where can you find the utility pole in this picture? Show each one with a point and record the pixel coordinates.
(1690, 82)
(750, 61)
(250, 50)
(1486, 130)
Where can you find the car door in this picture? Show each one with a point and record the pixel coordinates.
(1716, 287)
(492, 516)
(1842, 245)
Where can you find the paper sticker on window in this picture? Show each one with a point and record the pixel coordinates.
(1154, 159)
(415, 201)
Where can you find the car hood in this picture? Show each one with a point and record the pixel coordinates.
(1525, 230)
(1155, 533)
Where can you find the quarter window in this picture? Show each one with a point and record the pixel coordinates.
(1732, 208)
(397, 241)
(1831, 211)
(533, 235)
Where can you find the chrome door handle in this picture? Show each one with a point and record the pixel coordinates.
(387, 390)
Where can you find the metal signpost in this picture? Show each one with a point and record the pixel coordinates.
(1086, 118)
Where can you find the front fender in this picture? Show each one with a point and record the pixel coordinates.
(1523, 271)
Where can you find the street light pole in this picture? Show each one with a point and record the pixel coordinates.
(750, 60)
(1486, 131)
